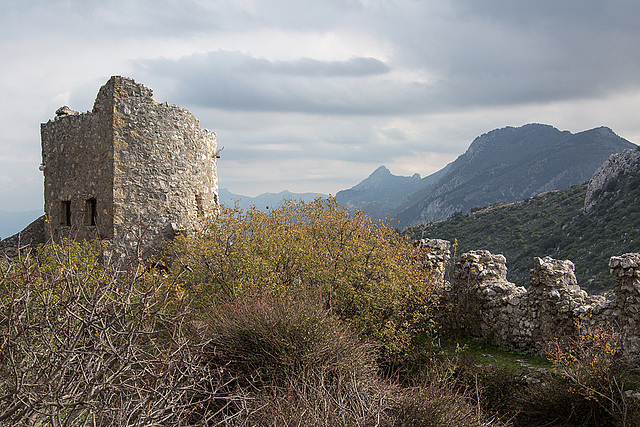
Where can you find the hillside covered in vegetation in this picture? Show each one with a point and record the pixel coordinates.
(552, 224)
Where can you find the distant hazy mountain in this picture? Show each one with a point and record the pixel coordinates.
(380, 194)
(510, 164)
(13, 222)
(265, 200)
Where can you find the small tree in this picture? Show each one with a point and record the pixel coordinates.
(586, 386)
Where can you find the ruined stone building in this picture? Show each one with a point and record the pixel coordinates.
(132, 170)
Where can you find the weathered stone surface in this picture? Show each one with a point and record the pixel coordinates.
(64, 110)
(437, 254)
(132, 170)
(551, 273)
(626, 269)
(481, 267)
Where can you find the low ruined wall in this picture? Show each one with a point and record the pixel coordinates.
(481, 302)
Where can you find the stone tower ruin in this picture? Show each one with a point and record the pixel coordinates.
(132, 170)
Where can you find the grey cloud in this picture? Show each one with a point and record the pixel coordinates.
(232, 80)
(295, 137)
(497, 52)
(481, 55)
(594, 16)
(561, 50)
(503, 52)
(305, 67)
(394, 134)
(119, 19)
(353, 67)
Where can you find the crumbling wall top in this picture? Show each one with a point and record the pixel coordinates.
(626, 269)
(625, 265)
(481, 267)
(119, 87)
(553, 273)
(437, 254)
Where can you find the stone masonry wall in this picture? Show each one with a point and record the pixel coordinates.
(164, 164)
(484, 304)
(437, 254)
(145, 168)
(77, 154)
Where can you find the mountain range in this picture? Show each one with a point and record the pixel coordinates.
(380, 194)
(265, 200)
(586, 223)
(501, 166)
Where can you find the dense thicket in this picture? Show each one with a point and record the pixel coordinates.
(275, 318)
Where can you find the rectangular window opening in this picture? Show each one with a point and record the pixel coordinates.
(65, 218)
(199, 206)
(91, 212)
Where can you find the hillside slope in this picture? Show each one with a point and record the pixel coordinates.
(510, 164)
(559, 224)
(12, 222)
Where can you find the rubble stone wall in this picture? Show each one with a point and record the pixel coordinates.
(77, 154)
(481, 302)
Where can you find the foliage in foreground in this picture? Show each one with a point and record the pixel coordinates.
(587, 387)
(290, 362)
(257, 339)
(85, 345)
(364, 272)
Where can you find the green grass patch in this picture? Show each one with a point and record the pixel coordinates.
(480, 353)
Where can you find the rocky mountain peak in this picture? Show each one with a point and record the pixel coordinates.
(383, 178)
(510, 164)
(617, 164)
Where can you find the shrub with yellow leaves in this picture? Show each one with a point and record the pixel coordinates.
(366, 273)
(586, 387)
(589, 361)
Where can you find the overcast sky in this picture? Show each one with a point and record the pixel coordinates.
(312, 96)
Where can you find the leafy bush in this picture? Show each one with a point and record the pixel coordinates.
(256, 322)
(589, 362)
(586, 388)
(365, 272)
(82, 343)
